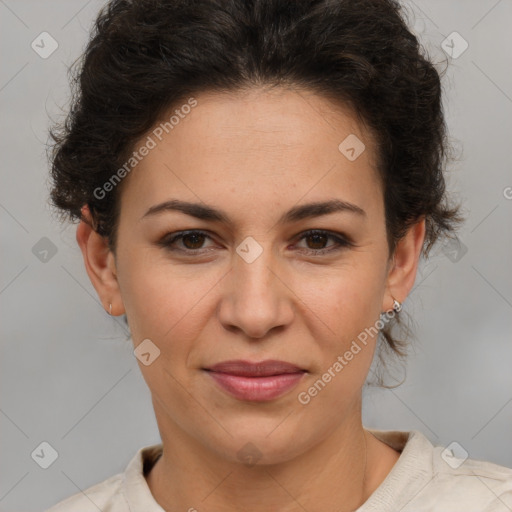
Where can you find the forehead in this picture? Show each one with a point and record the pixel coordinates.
(258, 144)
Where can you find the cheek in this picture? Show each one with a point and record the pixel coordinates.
(164, 302)
(346, 299)
(168, 306)
(350, 307)
(346, 307)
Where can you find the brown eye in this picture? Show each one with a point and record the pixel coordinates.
(186, 242)
(193, 240)
(317, 240)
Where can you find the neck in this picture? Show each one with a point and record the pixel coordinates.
(336, 474)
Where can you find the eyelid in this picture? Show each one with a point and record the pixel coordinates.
(169, 238)
(331, 234)
(342, 241)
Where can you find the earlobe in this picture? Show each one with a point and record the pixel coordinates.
(402, 273)
(99, 264)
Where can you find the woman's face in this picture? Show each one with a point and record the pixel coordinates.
(251, 284)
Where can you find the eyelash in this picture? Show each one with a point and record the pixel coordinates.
(341, 242)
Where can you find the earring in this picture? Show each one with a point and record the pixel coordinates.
(110, 309)
(397, 306)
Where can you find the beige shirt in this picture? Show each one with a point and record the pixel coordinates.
(424, 478)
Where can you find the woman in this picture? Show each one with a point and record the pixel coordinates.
(256, 182)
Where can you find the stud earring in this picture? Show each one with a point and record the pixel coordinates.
(397, 307)
(110, 309)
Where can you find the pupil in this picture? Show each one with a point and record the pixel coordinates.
(196, 240)
(194, 237)
(317, 237)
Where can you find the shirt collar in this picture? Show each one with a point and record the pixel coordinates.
(410, 474)
(135, 487)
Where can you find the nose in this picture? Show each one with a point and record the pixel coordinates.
(256, 298)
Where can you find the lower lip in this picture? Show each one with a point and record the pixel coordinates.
(257, 389)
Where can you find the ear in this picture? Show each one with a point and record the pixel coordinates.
(99, 264)
(404, 265)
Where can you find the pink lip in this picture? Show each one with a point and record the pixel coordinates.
(256, 382)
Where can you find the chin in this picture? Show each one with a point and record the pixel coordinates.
(258, 441)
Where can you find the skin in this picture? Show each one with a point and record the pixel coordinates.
(255, 155)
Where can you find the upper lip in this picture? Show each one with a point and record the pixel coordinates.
(255, 369)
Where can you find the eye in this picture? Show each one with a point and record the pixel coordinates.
(318, 239)
(191, 241)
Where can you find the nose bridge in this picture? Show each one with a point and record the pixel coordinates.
(257, 300)
(252, 270)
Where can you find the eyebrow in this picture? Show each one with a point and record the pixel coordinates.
(300, 212)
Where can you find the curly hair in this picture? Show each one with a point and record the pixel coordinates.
(145, 56)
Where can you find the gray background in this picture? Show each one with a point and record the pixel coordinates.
(68, 375)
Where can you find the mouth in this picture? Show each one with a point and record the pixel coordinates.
(256, 382)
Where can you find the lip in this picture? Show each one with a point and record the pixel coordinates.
(258, 381)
